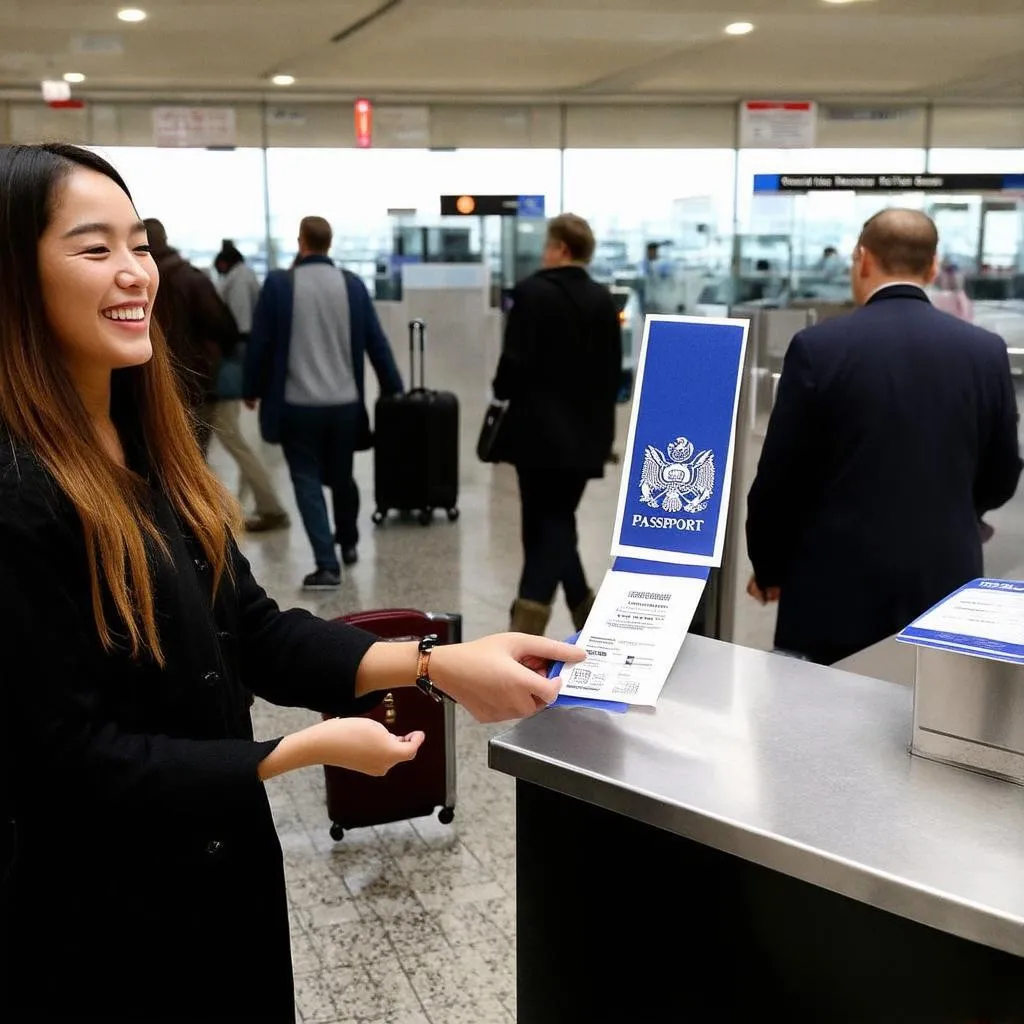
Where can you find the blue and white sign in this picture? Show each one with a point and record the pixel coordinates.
(531, 206)
(677, 476)
(984, 618)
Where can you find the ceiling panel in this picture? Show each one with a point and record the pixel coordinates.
(956, 48)
(543, 49)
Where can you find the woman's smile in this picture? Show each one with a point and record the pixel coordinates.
(130, 316)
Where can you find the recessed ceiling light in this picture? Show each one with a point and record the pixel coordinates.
(74, 77)
(132, 14)
(739, 28)
(283, 79)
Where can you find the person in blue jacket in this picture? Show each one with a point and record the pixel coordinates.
(312, 329)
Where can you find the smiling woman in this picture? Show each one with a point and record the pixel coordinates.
(114, 381)
(133, 638)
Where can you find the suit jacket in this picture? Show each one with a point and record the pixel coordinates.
(146, 869)
(560, 371)
(266, 356)
(894, 428)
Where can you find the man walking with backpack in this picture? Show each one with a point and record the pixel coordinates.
(312, 329)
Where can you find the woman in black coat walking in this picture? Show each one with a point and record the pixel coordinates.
(143, 877)
(560, 372)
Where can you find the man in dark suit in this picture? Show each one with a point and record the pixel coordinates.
(894, 430)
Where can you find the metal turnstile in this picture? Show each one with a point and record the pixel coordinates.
(771, 331)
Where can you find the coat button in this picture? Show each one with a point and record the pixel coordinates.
(211, 678)
(223, 636)
(201, 564)
(214, 846)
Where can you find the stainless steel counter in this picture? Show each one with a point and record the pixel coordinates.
(804, 770)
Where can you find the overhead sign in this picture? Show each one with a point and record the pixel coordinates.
(279, 115)
(492, 206)
(56, 91)
(868, 113)
(363, 115)
(775, 124)
(398, 127)
(194, 127)
(773, 184)
(531, 206)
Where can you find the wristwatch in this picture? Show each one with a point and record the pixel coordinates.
(423, 681)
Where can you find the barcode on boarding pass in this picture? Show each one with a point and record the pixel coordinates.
(581, 679)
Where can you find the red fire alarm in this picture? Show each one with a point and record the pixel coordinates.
(364, 123)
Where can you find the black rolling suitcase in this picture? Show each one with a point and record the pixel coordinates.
(416, 446)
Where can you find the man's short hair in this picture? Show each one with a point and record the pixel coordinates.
(316, 235)
(574, 232)
(903, 241)
(156, 232)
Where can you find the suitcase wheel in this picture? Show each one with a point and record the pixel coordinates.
(453, 514)
(426, 517)
(378, 517)
(446, 815)
(337, 833)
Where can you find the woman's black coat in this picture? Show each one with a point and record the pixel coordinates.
(146, 881)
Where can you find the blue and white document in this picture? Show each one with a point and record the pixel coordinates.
(984, 618)
(672, 509)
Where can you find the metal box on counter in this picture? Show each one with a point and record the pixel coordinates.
(969, 711)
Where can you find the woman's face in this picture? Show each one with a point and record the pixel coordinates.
(98, 278)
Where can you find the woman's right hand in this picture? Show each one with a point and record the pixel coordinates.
(364, 745)
(360, 744)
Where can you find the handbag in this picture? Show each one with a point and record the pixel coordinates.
(490, 446)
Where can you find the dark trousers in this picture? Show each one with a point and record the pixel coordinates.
(550, 556)
(319, 443)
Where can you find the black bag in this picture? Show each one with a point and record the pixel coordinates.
(416, 446)
(492, 444)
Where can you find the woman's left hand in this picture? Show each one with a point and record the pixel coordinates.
(503, 676)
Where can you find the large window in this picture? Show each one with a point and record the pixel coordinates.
(362, 191)
(819, 219)
(202, 197)
(635, 197)
(666, 216)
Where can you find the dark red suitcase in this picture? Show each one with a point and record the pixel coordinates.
(416, 446)
(416, 788)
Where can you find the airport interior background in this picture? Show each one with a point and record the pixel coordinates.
(232, 120)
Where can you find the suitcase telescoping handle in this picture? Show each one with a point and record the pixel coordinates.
(417, 328)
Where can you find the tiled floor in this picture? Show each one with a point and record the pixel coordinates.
(414, 923)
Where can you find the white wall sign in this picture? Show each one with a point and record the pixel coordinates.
(193, 127)
(774, 124)
(56, 91)
(868, 113)
(399, 127)
(278, 115)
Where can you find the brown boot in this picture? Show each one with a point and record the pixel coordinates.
(529, 617)
(582, 610)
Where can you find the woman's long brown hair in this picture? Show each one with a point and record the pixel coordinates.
(42, 411)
